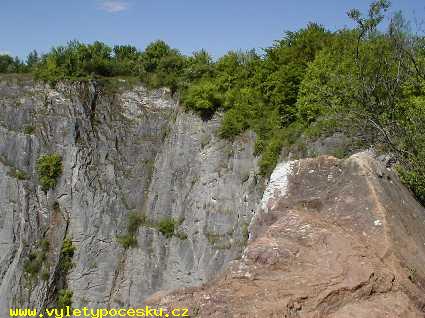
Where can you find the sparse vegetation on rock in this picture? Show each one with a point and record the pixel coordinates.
(67, 253)
(36, 262)
(65, 298)
(129, 240)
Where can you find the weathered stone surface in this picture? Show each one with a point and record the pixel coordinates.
(131, 152)
(332, 238)
(329, 238)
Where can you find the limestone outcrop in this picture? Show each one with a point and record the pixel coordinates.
(131, 152)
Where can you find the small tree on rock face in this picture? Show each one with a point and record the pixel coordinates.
(129, 240)
(49, 168)
(67, 253)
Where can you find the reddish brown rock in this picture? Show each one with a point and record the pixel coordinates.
(335, 238)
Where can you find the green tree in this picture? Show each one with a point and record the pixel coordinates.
(161, 65)
(198, 66)
(203, 97)
(9, 64)
(32, 59)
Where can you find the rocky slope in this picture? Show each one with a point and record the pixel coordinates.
(129, 152)
(332, 238)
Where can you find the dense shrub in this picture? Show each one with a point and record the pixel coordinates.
(203, 97)
(198, 66)
(9, 64)
(49, 168)
(233, 123)
(415, 179)
(270, 155)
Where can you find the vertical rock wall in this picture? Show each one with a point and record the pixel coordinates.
(132, 152)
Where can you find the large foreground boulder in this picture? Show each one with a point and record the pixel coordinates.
(332, 238)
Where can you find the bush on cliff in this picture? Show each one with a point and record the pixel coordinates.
(49, 168)
(129, 239)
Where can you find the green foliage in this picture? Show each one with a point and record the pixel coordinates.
(166, 226)
(64, 298)
(45, 275)
(34, 263)
(129, 240)
(270, 155)
(374, 17)
(410, 139)
(198, 66)
(233, 123)
(49, 168)
(256, 92)
(154, 55)
(32, 60)
(18, 174)
(162, 65)
(9, 64)
(80, 61)
(203, 97)
(36, 260)
(67, 253)
(134, 221)
(415, 180)
(326, 86)
(157, 66)
(44, 245)
(244, 109)
(125, 60)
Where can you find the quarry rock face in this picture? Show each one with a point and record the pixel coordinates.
(325, 237)
(331, 238)
(130, 152)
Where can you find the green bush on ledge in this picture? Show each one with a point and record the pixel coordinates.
(49, 168)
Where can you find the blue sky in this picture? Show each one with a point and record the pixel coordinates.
(189, 25)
